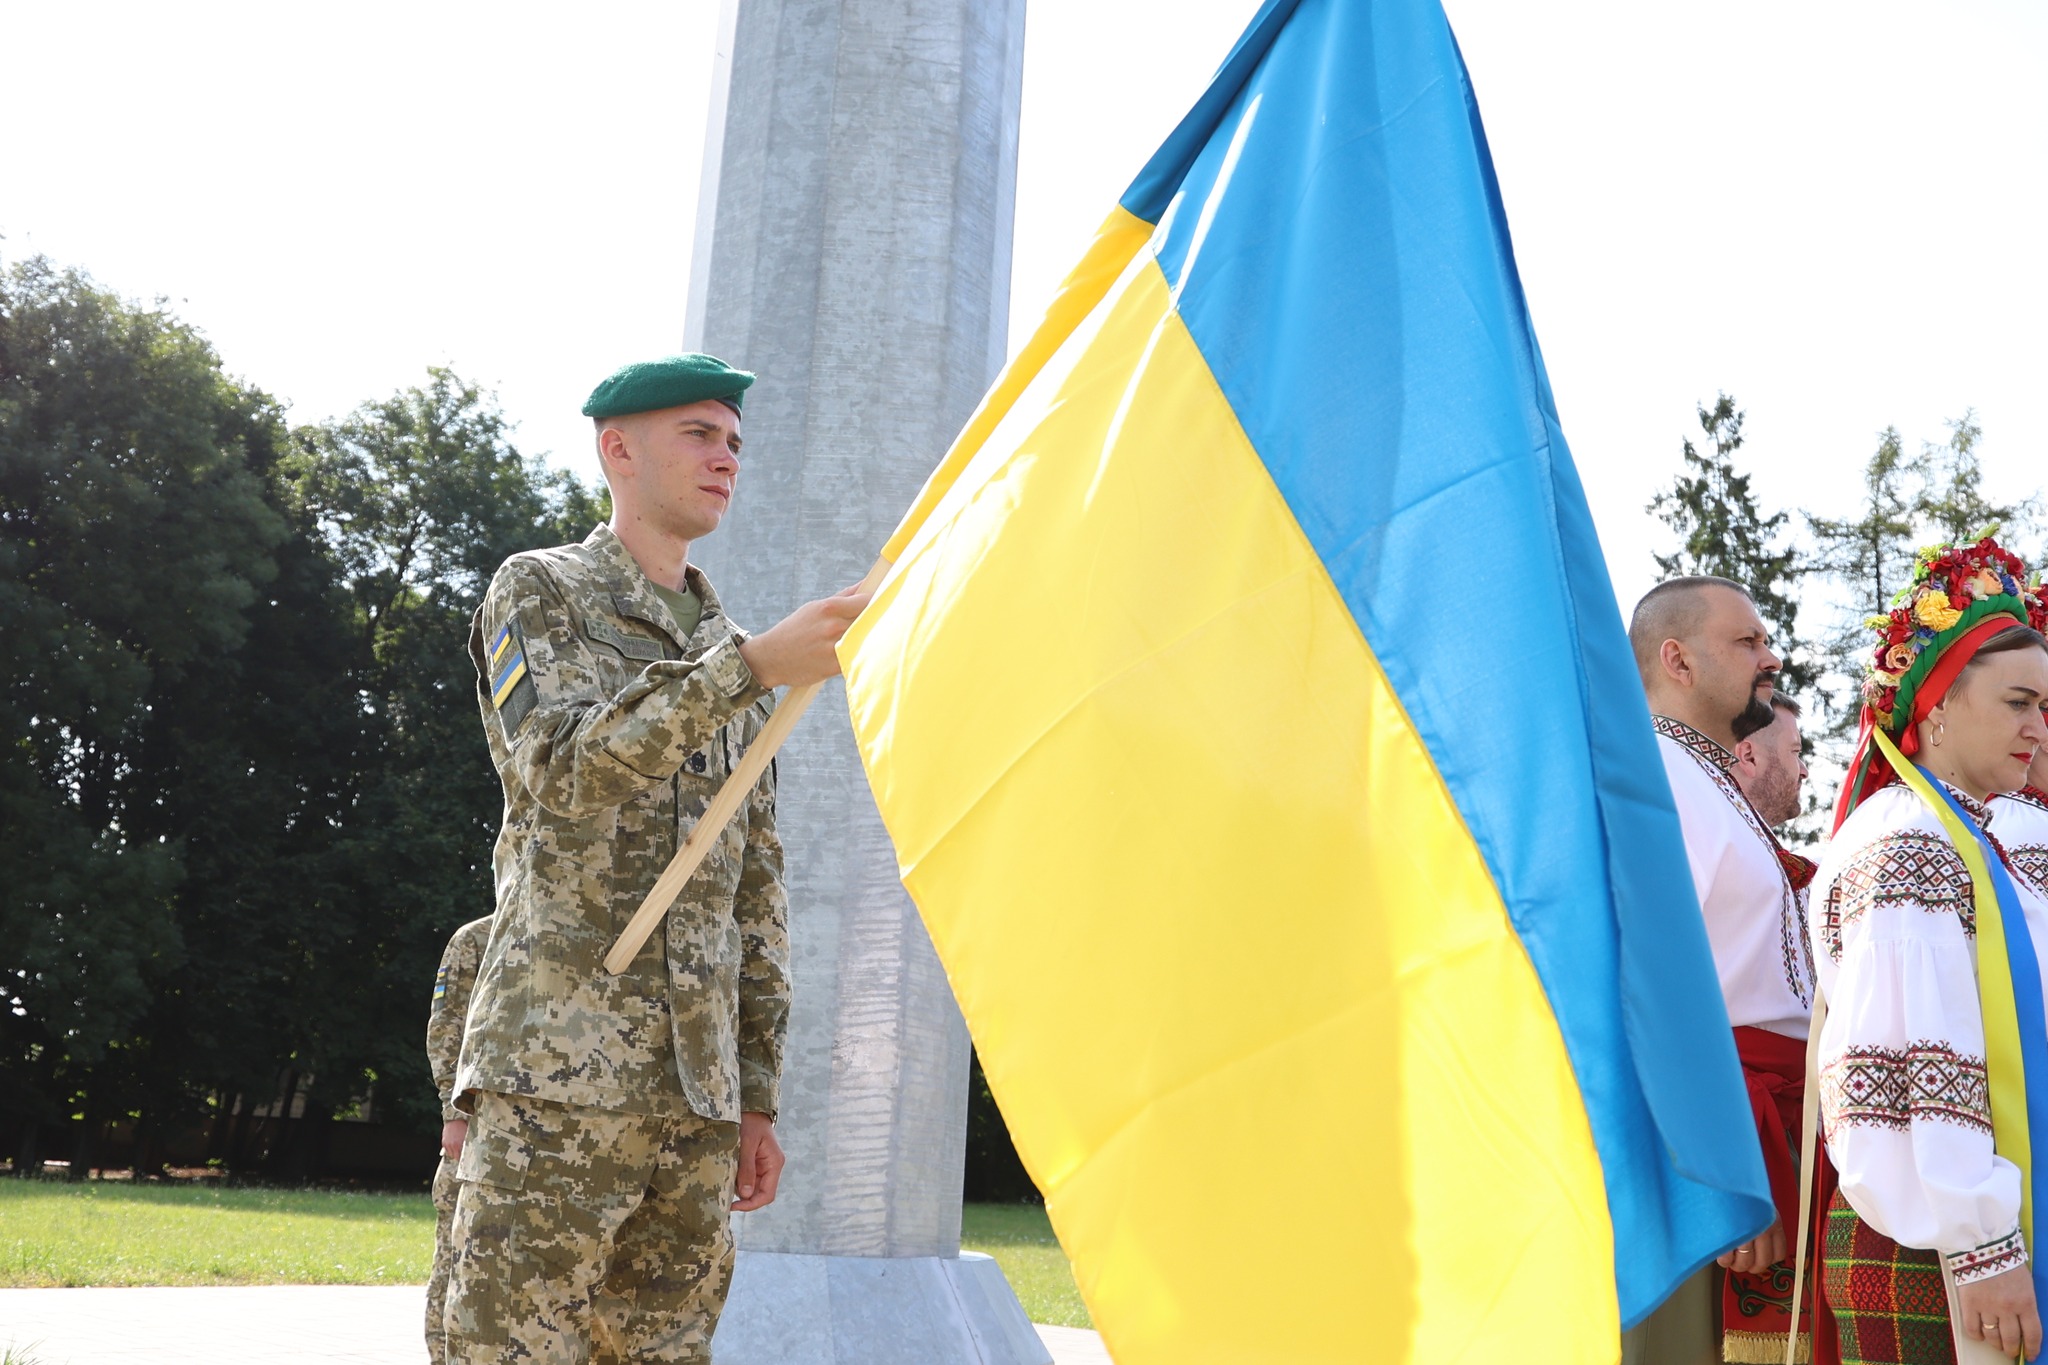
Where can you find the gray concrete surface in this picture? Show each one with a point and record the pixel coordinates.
(854, 251)
(272, 1325)
(876, 1310)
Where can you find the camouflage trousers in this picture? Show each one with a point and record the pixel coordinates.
(444, 1256)
(583, 1235)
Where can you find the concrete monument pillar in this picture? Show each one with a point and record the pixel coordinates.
(853, 249)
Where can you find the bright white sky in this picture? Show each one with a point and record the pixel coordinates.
(1835, 211)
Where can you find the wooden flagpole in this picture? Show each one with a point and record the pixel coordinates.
(719, 813)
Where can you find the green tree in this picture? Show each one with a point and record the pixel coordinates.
(1865, 559)
(1950, 502)
(418, 497)
(266, 785)
(244, 789)
(135, 540)
(1723, 532)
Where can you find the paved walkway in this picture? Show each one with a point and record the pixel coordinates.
(271, 1325)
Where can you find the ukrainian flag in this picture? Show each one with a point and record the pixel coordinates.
(1249, 708)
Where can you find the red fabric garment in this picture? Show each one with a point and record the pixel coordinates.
(1756, 1309)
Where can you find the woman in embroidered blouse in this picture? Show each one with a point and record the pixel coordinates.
(1960, 684)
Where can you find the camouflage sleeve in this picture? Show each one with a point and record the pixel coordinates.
(761, 908)
(578, 750)
(452, 987)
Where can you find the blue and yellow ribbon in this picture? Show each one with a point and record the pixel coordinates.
(2009, 989)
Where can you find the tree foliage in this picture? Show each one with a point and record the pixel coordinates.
(135, 541)
(1847, 565)
(1722, 532)
(245, 790)
(1865, 559)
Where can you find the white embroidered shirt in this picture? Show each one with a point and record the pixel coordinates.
(2020, 820)
(1904, 1094)
(1756, 919)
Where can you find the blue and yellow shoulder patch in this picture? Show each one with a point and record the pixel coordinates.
(512, 689)
(441, 982)
(508, 664)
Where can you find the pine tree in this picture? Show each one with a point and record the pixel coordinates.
(1722, 532)
(1950, 501)
(1908, 501)
(1868, 557)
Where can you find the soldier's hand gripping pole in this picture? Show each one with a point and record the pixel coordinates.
(719, 813)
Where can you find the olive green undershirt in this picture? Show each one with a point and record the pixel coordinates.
(685, 606)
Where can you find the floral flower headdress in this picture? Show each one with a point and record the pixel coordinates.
(1953, 588)
(1959, 597)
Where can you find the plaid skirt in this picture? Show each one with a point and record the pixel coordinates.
(1890, 1304)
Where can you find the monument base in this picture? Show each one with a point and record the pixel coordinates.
(873, 1310)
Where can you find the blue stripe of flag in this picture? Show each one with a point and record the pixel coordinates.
(1336, 242)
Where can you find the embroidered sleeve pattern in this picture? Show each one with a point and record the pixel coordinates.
(1910, 867)
(1904, 1090)
(1993, 1258)
(2032, 862)
(1795, 951)
(1893, 1087)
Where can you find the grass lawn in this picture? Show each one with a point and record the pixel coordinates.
(1021, 1240)
(112, 1233)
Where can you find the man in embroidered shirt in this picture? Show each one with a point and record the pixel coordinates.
(615, 1121)
(1769, 765)
(1710, 675)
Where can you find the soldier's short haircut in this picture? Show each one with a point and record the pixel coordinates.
(1673, 610)
(1789, 705)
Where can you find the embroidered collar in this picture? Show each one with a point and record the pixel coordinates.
(1797, 872)
(1979, 812)
(1709, 749)
(1975, 809)
(2031, 795)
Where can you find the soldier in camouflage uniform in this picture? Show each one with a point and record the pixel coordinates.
(452, 985)
(613, 1118)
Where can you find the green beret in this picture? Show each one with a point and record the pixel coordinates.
(671, 382)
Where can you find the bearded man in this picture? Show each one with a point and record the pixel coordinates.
(1707, 667)
(1770, 765)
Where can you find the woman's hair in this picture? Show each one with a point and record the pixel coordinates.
(2005, 642)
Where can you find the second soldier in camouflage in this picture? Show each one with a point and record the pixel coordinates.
(453, 983)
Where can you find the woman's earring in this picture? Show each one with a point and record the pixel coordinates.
(1940, 729)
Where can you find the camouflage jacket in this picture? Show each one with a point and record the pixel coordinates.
(611, 735)
(452, 985)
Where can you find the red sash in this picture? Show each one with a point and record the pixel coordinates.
(1756, 1310)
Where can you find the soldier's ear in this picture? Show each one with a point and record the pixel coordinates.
(613, 452)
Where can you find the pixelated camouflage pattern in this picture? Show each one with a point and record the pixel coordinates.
(577, 1225)
(629, 733)
(453, 982)
(445, 1188)
(452, 986)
